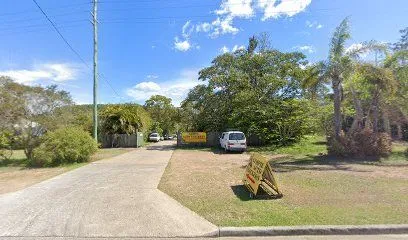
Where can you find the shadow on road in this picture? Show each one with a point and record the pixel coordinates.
(162, 146)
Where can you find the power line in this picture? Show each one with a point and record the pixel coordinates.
(31, 11)
(69, 45)
(60, 34)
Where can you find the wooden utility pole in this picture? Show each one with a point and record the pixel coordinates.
(95, 69)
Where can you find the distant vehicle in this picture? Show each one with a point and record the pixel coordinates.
(154, 137)
(161, 138)
(168, 137)
(233, 141)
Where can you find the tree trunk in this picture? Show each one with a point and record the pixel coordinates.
(375, 116)
(386, 122)
(358, 118)
(337, 105)
(399, 131)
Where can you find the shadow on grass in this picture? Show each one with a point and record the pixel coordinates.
(21, 162)
(244, 195)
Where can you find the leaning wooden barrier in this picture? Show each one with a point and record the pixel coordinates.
(259, 175)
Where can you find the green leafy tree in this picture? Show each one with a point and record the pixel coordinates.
(29, 111)
(124, 119)
(162, 112)
(254, 90)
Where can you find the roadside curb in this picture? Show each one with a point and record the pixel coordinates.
(314, 230)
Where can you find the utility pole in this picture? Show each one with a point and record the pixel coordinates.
(95, 69)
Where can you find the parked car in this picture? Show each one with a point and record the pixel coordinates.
(154, 137)
(168, 137)
(233, 141)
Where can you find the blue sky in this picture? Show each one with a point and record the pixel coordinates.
(151, 47)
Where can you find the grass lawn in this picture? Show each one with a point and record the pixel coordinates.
(317, 190)
(15, 175)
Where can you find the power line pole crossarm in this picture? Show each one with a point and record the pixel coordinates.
(95, 69)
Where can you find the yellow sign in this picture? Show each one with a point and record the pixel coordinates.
(259, 174)
(194, 137)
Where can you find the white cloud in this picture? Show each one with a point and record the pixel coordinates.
(147, 86)
(356, 47)
(176, 89)
(305, 48)
(236, 8)
(246, 9)
(54, 72)
(182, 45)
(276, 9)
(203, 27)
(152, 76)
(224, 49)
(222, 26)
(313, 24)
(187, 29)
(236, 47)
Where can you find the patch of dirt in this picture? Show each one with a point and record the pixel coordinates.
(14, 179)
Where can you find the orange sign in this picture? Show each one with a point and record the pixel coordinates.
(194, 137)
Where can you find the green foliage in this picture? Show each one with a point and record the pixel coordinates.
(163, 113)
(254, 91)
(124, 119)
(28, 111)
(63, 146)
(5, 145)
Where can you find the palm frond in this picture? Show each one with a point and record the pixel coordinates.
(367, 47)
(339, 38)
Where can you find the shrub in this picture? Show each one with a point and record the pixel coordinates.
(5, 145)
(406, 152)
(62, 146)
(362, 143)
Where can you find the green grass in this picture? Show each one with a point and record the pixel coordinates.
(18, 158)
(317, 190)
(313, 149)
(309, 145)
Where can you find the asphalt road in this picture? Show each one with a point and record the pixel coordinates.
(117, 197)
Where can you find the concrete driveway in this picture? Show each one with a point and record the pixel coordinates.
(117, 197)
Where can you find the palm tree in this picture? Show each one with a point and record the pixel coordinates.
(335, 69)
(339, 66)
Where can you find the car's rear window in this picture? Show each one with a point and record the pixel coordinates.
(236, 136)
(154, 135)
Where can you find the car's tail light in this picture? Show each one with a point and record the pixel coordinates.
(230, 144)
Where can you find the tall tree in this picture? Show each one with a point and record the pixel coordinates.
(337, 65)
(162, 112)
(255, 90)
(30, 111)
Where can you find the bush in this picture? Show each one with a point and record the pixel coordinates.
(406, 152)
(5, 145)
(362, 143)
(63, 146)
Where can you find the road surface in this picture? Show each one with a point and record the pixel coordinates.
(117, 197)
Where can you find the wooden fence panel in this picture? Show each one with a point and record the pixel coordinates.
(121, 141)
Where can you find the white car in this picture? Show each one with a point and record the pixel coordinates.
(154, 137)
(233, 141)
